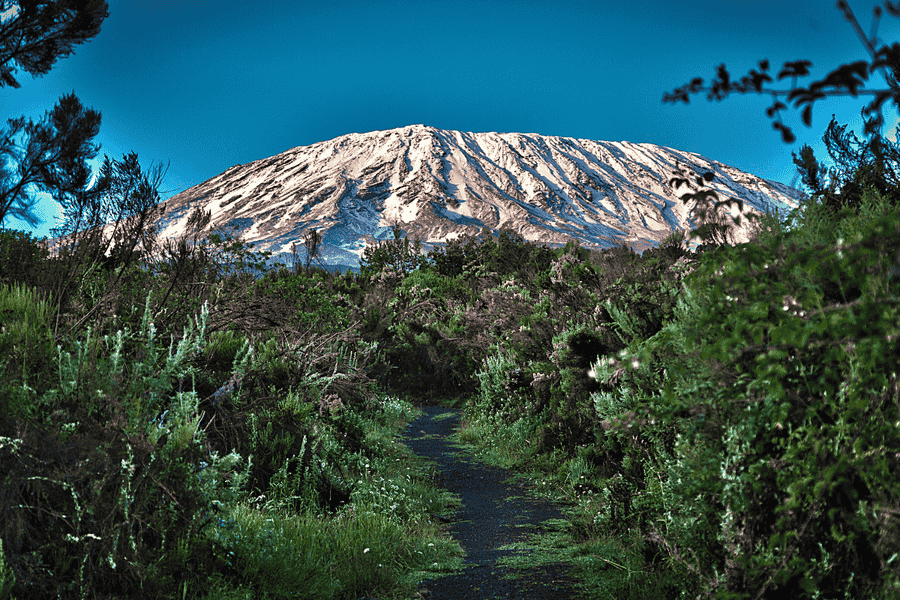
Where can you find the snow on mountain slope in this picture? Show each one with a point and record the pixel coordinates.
(438, 185)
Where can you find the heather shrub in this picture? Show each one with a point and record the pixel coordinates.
(21, 257)
(224, 348)
(766, 411)
(500, 388)
(613, 263)
(189, 466)
(26, 347)
(426, 361)
(426, 282)
(313, 295)
(512, 255)
(99, 490)
(397, 254)
(640, 303)
(569, 416)
(288, 400)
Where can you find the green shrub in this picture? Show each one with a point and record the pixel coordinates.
(428, 283)
(21, 257)
(26, 348)
(7, 577)
(499, 390)
(314, 296)
(100, 490)
(397, 254)
(570, 418)
(778, 379)
(224, 348)
(277, 556)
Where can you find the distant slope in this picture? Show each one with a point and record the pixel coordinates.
(439, 185)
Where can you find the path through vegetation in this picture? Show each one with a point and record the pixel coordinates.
(495, 514)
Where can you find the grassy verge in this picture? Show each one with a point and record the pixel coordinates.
(129, 470)
(605, 566)
(382, 542)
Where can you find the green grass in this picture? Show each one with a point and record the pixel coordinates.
(444, 416)
(312, 556)
(605, 567)
(383, 542)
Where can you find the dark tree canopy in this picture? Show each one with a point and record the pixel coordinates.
(35, 33)
(846, 80)
(858, 165)
(48, 156)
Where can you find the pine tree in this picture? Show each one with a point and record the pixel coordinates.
(35, 33)
(48, 156)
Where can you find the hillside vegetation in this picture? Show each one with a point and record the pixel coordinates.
(178, 420)
(723, 423)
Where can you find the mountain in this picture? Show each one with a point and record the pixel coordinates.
(438, 185)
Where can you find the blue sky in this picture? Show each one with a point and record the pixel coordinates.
(208, 84)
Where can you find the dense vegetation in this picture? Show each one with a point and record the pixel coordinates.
(180, 421)
(724, 421)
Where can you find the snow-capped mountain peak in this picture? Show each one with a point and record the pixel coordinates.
(439, 185)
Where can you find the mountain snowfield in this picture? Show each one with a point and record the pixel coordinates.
(437, 185)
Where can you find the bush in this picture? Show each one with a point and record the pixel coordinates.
(779, 379)
(314, 298)
(99, 489)
(21, 257)
(26, 348)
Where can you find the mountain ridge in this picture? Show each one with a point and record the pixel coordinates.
(439, 185)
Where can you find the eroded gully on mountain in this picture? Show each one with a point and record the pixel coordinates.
(494, 513)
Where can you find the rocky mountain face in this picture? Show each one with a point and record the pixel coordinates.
(438, 185)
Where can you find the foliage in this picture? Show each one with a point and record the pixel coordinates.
(131, 198)
(848, 79)
(721, 422)
(312, 241)
(857, 168)
(21, 257)
(50, 156)
(427, 282)
(778, 383)
(113, 483)
(36, 34)
(104, 469)
(649, 389)
(715, 222)
(26, 346)
(315, 296)
(146, 451)
(397, 254)
(231, 255)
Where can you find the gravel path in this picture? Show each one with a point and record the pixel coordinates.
(486, 521)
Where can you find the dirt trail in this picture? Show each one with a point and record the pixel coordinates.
(486, 521)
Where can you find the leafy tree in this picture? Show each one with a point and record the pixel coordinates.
(115, 216)
(312, 239)
(399, 254)
(859, 165)
(846, 80)
(105, 230)
(48, 156)
(856, 168)
(812, 173)
(51, 155)
(711, 214)
(35, 33)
